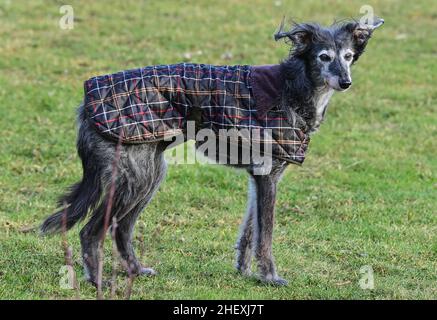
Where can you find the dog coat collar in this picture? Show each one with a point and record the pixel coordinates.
(155, 102)
(266, 82)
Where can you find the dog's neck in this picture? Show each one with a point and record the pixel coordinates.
(304, 102)
(320, 103)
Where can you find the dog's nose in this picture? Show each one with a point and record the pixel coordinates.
(344, 84)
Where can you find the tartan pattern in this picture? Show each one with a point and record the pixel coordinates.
(153, 103)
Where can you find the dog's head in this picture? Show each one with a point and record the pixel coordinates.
(328, 52)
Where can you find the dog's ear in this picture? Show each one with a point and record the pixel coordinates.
(301, 35)
(361, 32)
(374, 23)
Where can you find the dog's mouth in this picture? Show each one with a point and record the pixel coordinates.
(340, 89)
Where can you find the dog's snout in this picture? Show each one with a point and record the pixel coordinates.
(344, 84)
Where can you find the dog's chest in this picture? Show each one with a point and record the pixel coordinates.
(321, 100)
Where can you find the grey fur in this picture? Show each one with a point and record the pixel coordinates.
(141, 167)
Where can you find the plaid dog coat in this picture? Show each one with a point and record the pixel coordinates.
(154, 103)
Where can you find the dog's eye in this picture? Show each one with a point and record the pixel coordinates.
(324, 57)
(348, 56)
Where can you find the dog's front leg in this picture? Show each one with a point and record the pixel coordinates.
(244, 243)
(263, 228)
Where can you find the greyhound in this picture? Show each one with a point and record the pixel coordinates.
(318, 64)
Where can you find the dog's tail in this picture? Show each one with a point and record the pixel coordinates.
(76, 203)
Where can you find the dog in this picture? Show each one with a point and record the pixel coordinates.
(123, 164)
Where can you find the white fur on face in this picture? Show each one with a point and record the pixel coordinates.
(329, 52)
(346, 64)
(332, 80)
(343, 53)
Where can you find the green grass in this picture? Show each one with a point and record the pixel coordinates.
(367, 194)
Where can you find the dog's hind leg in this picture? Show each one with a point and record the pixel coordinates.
(130, 197)
(92, 233)
(244, 243)
(90, 238)
(123, 239)
(263, 222)
(152, 168)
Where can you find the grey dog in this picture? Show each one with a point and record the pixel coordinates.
(318, 64)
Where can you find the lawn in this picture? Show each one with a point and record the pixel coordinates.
(366, 195)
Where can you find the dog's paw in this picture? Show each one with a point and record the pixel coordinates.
(105, 283)
(243, 270)
(147, 272)
(279, 282)
(273, 281)
(136, 269)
